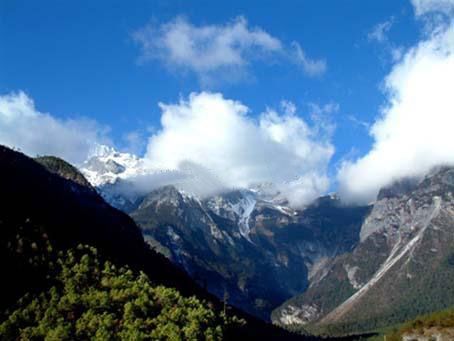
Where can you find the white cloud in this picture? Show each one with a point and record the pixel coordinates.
(379, 32)
(216, 140)
(414, 132)
(423, 7)
(23, 126)
(214, 51)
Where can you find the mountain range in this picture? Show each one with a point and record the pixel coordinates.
(247, 244)
(326, 266)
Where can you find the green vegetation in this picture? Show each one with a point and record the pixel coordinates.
(94, 299)
(439, 320)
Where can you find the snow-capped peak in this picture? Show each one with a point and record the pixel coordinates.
(123, 178)
(105, 165)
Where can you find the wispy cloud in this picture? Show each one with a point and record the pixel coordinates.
(218, 51)
(379, 32)
(311, 67)
(355, 120)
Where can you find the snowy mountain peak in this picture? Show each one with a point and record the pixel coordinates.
(106, 166)
(123, 179)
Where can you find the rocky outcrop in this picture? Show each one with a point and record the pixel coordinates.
(430, 334)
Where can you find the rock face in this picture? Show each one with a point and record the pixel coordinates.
(254, 252)
(402, 267)
(398, 188)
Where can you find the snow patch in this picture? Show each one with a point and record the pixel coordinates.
(238, 209)
(244, 209)
(351, 271)
(293, 315)
(171, 233)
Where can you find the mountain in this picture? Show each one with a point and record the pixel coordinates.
(106, 165)
(402, 266)
(247, 245)
(255, 251)
(47, 207)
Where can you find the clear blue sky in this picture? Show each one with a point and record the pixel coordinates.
(78, 58)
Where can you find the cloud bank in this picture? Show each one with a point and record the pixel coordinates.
(214, 51)
(216, 140)
(23, 127)
(207, 144)
(414, 132)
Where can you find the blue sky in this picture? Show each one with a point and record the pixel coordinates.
(80, 59)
